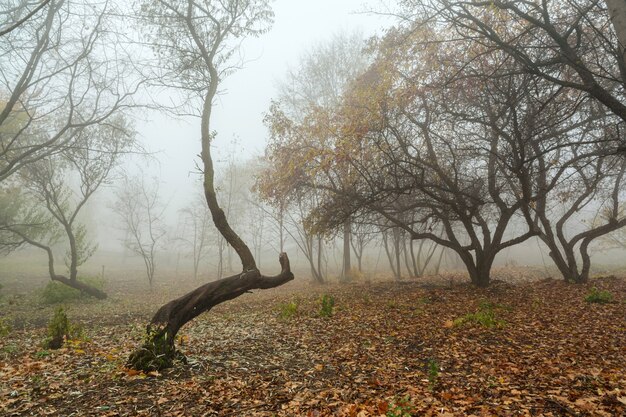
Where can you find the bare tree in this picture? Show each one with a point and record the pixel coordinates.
(572, 180)
(195, 41)
(139, 207)
(54, 205)
(16, 13)
(392, 238)
(573, 44)
(63, 69)
(196, 230)
(417, 262)
(362, 235)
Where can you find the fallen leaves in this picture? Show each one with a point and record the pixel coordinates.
(556, 355)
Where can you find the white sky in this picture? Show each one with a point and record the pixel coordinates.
(298, 26)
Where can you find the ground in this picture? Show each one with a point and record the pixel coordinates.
(415, 348)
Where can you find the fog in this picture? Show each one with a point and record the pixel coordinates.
(244, 98)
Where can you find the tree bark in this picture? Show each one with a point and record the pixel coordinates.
(159, 351)
(480, 270)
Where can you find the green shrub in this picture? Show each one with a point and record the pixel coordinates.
(60, 329)
(485, 316)
(599, 296)
(288, 310)
(56, 292)
(327, 303)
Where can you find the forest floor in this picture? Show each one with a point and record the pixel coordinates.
(529, 349)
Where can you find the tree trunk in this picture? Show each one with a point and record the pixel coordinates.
(389, 253)
(480, 270)
(396, 245)
(81, 286)
(159, 350)
(280, 228)
(480, 277)
(415, 261)
(438, 264)
(74, 283)
(346, 250)
(319, 258)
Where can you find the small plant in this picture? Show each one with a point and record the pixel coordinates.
(5, 328)
(485, 316)
(401, 407)
(60, 329)
(433, 373)
(599, 296)
(157, 352)
(10, 349)
(327, 303)
(42, 354)
(288, 310)
(424, 300)
(55, 292)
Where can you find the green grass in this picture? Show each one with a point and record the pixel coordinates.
(599, 296)
(485, 316)
(288, 310)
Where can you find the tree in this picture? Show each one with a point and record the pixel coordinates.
(293, 206)
(392, 249)
(571, 43)
(139, 207)
(362, 235)
(319, 82)
(16, 15)
(437, 142)
(194, 40)
(195, 231)
(58, 77)
(48, 183)
(516, 145)
(612, 240)
(572, 180)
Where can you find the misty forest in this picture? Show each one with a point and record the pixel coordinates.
(292, 208)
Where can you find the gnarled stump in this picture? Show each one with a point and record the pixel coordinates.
(159, 350)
